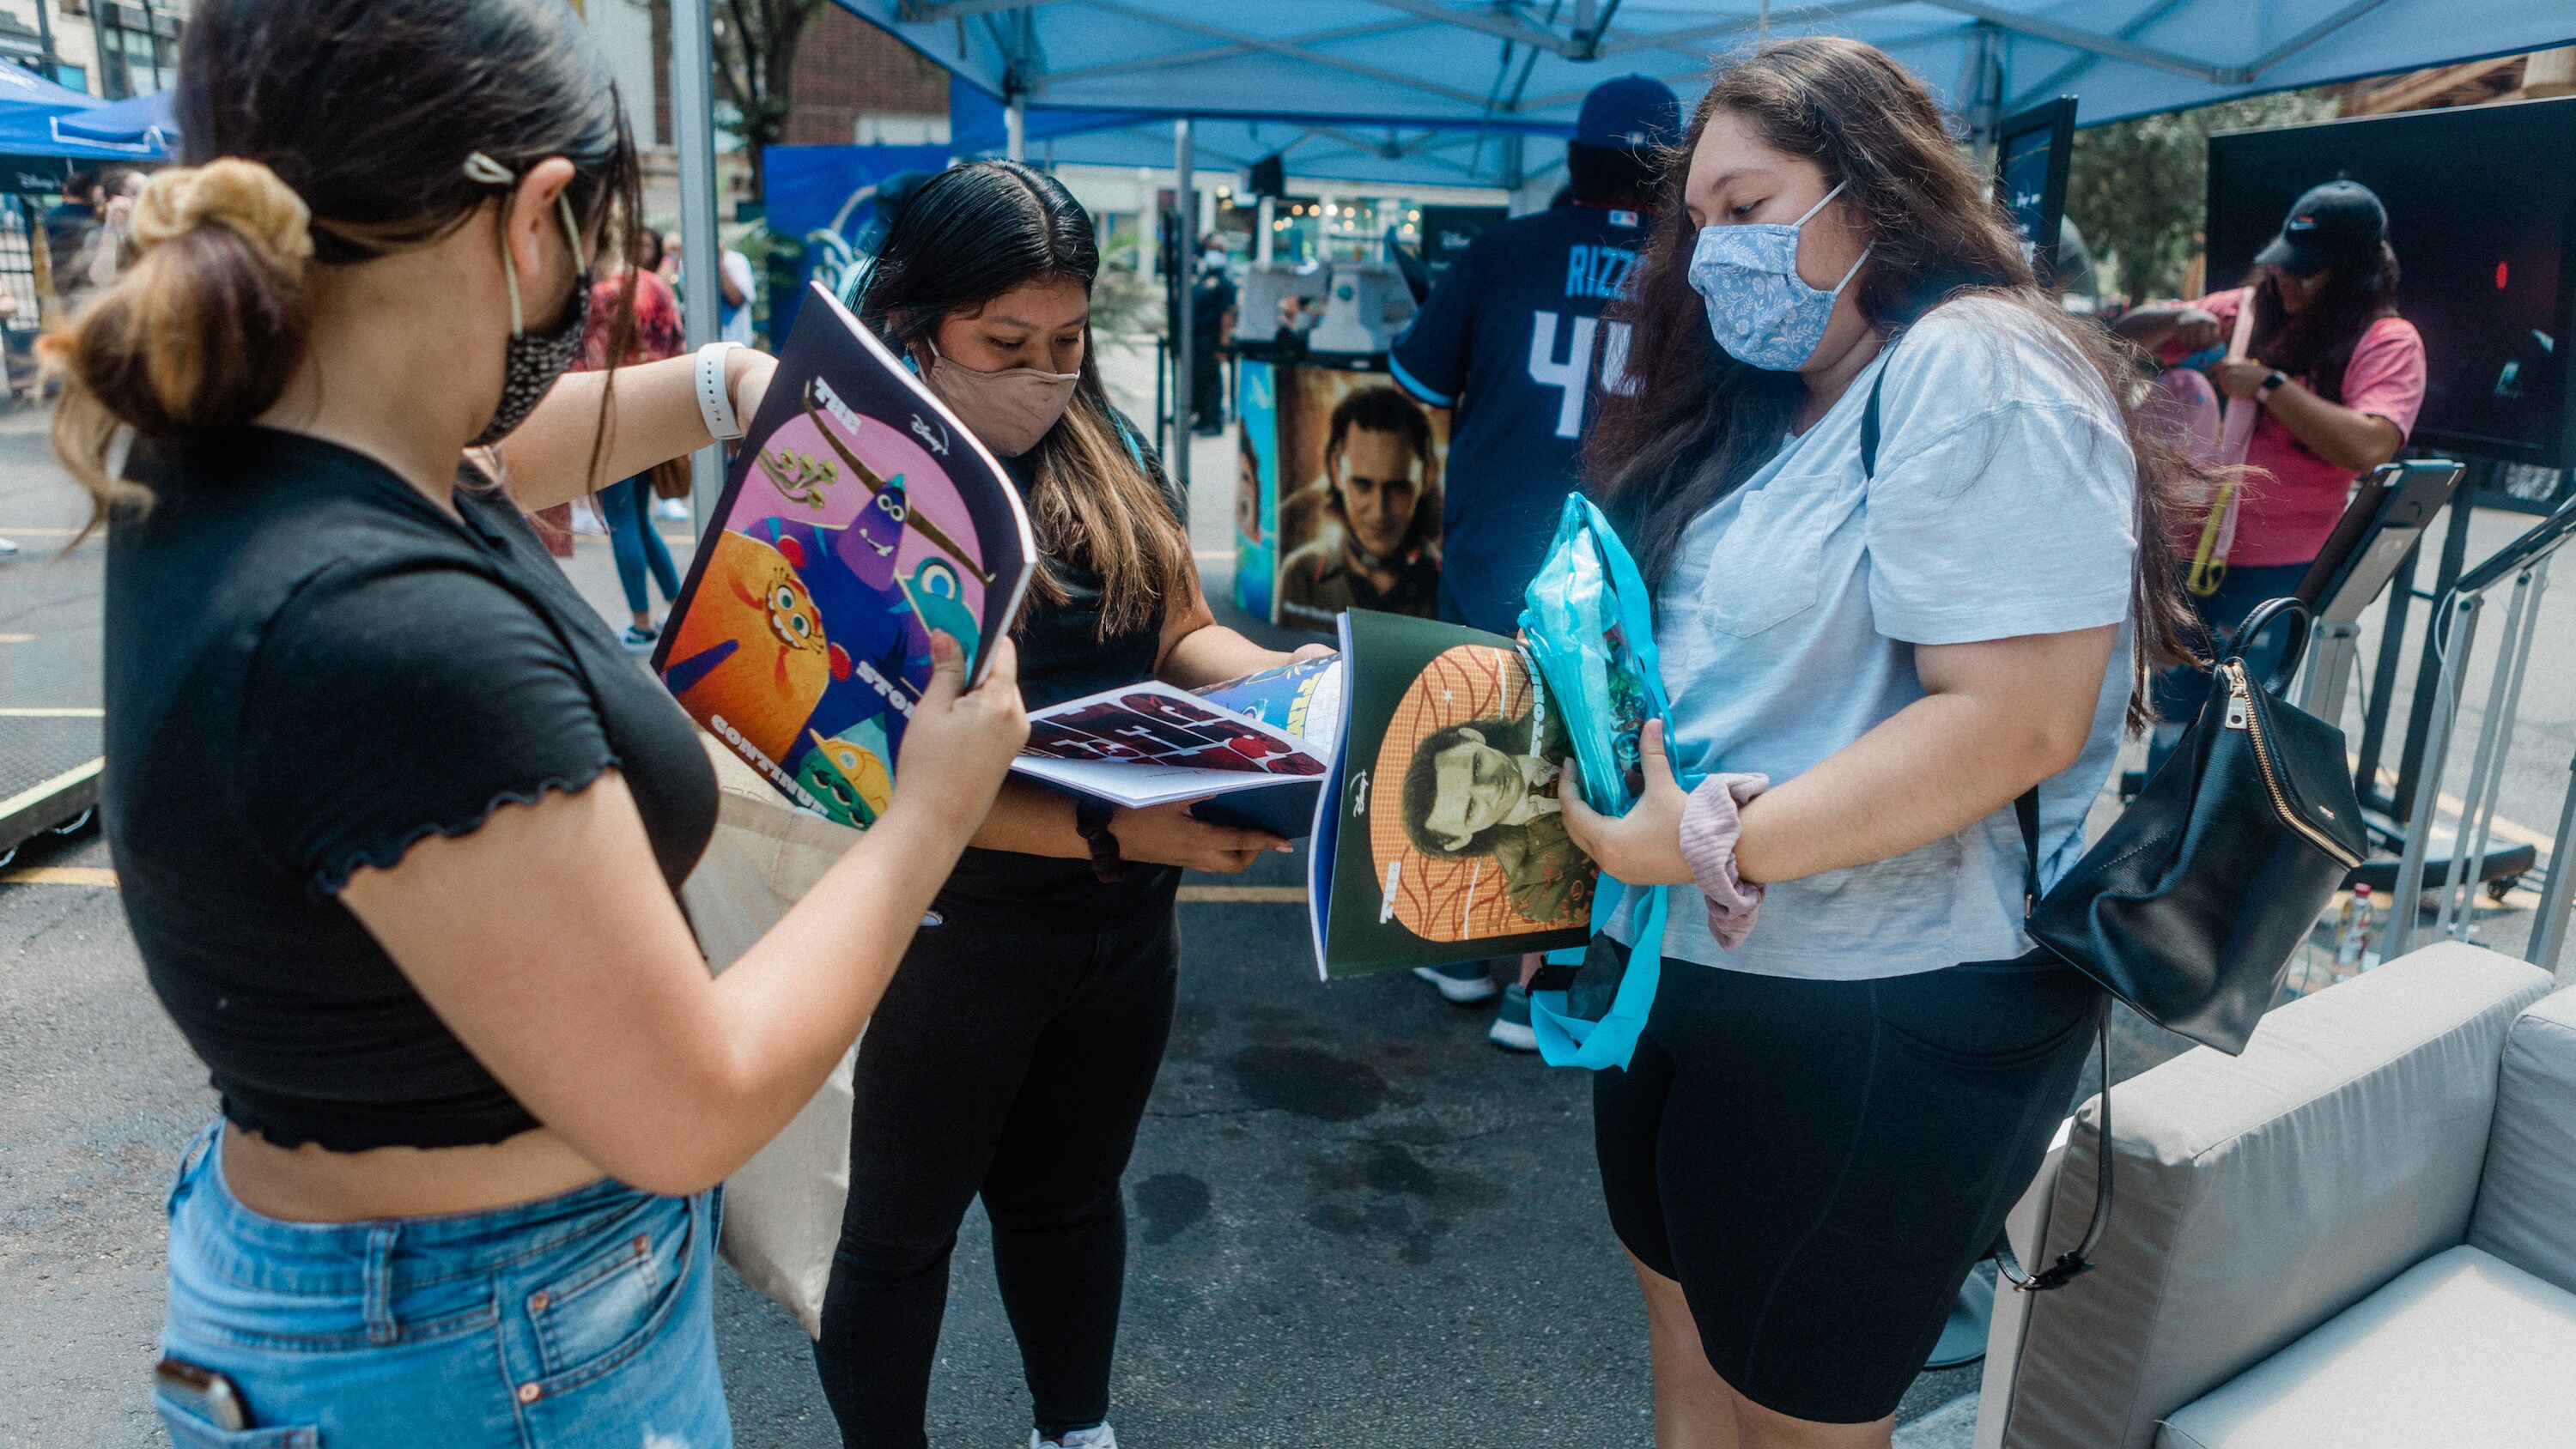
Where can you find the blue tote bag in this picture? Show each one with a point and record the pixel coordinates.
(1589, 628)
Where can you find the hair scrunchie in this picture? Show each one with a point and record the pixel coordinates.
(241, 194)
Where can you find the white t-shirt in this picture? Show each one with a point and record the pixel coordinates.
(2004, 504)
(735, 320)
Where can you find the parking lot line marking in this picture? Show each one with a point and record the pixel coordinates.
(8, 530)
(67, 875)
(50, 712)
(17, 638)
(1270, 895)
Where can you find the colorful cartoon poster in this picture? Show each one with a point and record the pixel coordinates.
(1356, 478)
(1446, 841)
(858, 516)
(1256, 485)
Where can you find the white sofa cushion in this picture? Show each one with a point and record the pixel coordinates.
(2258, 1196)
(2461, 1351)
(2526, 1211)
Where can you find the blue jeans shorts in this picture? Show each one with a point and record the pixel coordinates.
(583, 1321)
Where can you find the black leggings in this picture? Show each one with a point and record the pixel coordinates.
(1819, 1163)
(1015, 1065)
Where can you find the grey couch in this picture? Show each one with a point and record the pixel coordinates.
(2360, 1233)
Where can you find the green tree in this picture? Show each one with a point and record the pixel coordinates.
(2139, 188)
(755, 65)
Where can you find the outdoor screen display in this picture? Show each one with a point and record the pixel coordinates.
(2479, 210)
(2030, 168)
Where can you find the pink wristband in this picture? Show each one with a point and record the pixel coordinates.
(1709, 830)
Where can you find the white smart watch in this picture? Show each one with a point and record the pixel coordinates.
(715, 398)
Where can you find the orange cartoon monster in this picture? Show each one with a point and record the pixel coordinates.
(750, 651)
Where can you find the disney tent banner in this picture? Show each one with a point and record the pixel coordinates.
(859, 515)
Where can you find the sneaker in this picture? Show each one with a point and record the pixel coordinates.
(7, 548)
(587, 522)
(1511, 1029)
(674, 509)
(639, 641)
(1461, 983)
(1098, 1436)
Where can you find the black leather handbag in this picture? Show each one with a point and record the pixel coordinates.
(2191, 905)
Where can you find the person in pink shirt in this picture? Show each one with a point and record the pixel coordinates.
(2339, 377)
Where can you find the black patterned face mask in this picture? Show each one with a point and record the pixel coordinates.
(532, 361)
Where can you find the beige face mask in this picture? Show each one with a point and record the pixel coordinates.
(1010, 409)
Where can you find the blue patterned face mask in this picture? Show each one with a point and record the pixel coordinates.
(1759, 309)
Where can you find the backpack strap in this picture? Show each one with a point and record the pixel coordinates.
(1869, 427)
(2079, 1258)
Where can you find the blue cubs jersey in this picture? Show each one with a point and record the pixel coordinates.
(1512, 341)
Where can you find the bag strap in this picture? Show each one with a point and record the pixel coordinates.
(2025, 808)
(2078, 1259)
(1869, 426)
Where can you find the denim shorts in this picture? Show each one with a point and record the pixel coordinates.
(582, 1321)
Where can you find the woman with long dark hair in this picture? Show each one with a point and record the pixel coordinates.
(398, 823)
(1889, 501)
(1013, 1057)
(2339, 377)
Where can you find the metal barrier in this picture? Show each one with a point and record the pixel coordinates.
(2526, 562)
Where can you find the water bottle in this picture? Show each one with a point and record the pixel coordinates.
(2353, 934)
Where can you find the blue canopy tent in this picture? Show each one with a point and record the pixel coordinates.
(39, 148)
(136, 120)
(1451, 153)
(1349, 86)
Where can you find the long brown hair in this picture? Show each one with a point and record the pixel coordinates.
(965, 237)
(2317, 342)
(319, 132)
(1698, 422)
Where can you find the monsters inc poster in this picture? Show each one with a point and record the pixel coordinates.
(858, 517)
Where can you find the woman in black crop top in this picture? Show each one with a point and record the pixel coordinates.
(398, 822)
(1012, 1057)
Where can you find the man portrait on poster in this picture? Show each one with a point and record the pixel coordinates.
(1379, 501)
(1479, 789)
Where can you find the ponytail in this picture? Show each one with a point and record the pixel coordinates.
(202, 332)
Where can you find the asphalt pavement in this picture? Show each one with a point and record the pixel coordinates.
(1352, 1220)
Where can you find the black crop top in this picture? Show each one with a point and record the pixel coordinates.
(310, 667)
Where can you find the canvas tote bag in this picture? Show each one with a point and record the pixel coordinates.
(782, 1211)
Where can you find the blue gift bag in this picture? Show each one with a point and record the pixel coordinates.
(1589, 627)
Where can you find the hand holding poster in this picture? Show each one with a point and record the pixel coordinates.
(859, 515)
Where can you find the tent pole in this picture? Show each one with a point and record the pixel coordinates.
(1015, 126)
(1184, 353)
(702, 250)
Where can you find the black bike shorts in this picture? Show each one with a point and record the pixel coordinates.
(1820, 1163)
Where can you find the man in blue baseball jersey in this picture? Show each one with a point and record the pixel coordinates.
(1514, 344)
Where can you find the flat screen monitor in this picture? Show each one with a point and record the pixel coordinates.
(2030, 171)
(2481, 203)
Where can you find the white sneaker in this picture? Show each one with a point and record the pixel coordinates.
(1461, 983)
(1099, 1436)
(675, 509)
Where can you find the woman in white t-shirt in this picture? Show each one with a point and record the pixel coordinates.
(1828, 1113)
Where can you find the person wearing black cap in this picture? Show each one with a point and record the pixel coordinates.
(1513, 342)
(2339, 377)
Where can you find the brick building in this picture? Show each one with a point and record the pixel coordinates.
(855, 83)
